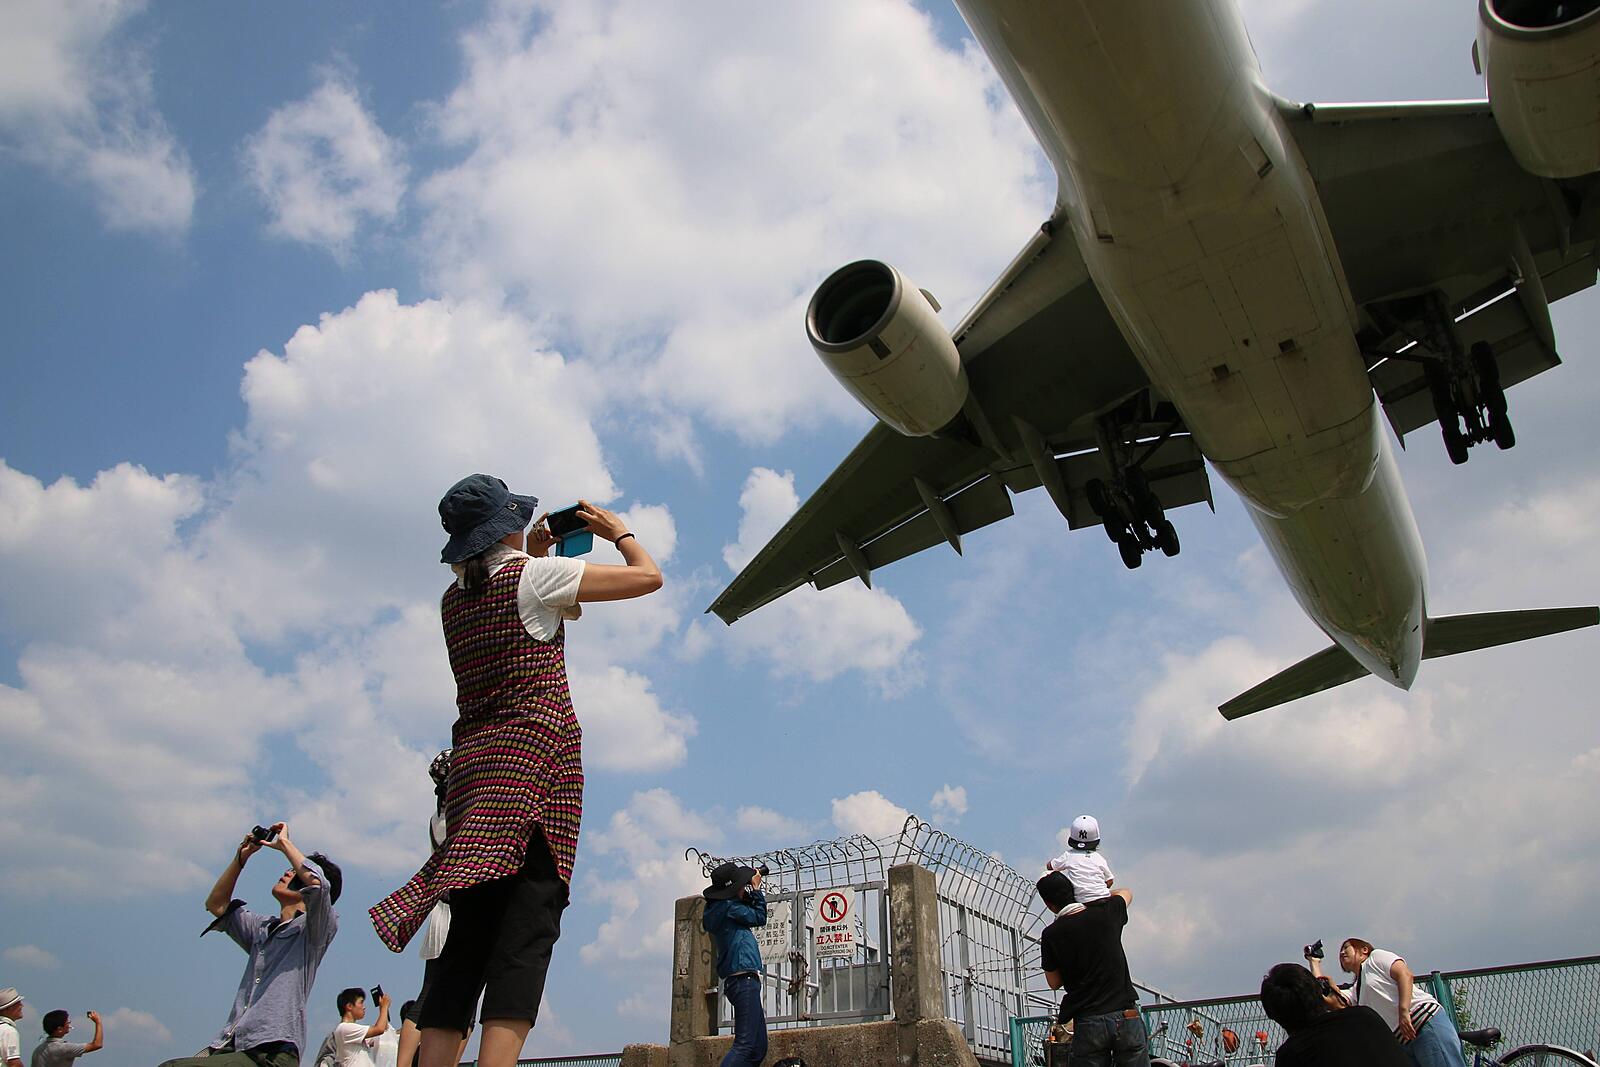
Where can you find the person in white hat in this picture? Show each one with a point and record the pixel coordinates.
(1083, 863)
(10, 1043)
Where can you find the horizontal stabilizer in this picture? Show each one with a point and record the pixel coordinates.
(1449, 635)
(1328, 668)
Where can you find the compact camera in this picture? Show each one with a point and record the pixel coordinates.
(1313, 951)
(262, 834)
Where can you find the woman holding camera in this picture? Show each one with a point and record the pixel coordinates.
(514, 797)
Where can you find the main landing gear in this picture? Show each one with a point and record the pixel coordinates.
(1470, 401)
(1126, 506)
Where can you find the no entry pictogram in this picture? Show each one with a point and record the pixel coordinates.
(834, 908)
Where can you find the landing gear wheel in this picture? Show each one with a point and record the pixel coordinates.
(1167, 537)
(1132, 554)
(1455, 442)
(1500, 426)
(1099, 499)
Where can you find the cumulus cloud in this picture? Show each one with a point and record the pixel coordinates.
(950, 802)
(76, 97)
(140, 1026)
(868, 812)
(768, 828)
(324, 167)
(292, 600)
(31, 956)
(809, 633)
(675, 199)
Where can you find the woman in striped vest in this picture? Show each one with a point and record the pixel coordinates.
(514, 796)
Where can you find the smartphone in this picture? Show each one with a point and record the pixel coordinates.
(565, 523)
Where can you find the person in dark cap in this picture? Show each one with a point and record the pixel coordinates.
(514, 795)
(734, 904)
(267, 1026)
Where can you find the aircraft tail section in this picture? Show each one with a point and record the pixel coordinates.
(1447, 635)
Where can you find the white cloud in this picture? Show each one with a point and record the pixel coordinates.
(644, 845)
(868, 812)
(320, 537)
(324, 167)
(31, 956)
(139, 1026)
(675, 199)
(950, 802)
(624, 726)
(76, 97)
(770, 828)
(809, 633)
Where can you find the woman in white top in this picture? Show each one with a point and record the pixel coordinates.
(1386, 985)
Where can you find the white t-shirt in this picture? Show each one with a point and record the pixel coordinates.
(1376, 988)
(548, 591)
(388, 1054)
(10, 1043)
(1088, 872)
(351, 1045)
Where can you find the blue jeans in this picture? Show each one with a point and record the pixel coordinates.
(1437, 1044)
(749, 1022)
(1103, 1040)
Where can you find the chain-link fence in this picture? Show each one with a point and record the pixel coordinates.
(1554, 1002)
(989, 949)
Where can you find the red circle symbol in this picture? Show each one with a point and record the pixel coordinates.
(834, 908)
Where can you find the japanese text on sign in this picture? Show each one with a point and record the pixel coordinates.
(834, 922)
(777, 937)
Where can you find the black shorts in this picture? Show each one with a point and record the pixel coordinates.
(413, 1008)
(501, 936)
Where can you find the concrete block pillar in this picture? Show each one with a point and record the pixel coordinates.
(694, 974)
(914, 942)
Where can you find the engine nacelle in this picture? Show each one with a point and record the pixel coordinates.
(879, 335)
(1541, 59)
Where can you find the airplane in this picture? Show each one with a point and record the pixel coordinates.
(1233, 282)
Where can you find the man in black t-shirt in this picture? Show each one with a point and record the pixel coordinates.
(1082, 952)
(1320, 1036)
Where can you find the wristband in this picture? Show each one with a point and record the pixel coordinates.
(619, 540)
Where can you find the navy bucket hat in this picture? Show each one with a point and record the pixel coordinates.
(478, 511)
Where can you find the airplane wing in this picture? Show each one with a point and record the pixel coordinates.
(1043, 359)
(1425, 198)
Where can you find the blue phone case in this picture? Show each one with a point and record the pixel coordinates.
(575, 544)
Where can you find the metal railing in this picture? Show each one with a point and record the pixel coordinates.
(1555, 1001)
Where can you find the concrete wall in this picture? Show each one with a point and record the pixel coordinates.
(918, 1036)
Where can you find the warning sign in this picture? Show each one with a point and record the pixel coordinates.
(777, 937)
(834, 922)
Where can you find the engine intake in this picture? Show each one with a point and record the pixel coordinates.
(880, 337)
(1541, 59)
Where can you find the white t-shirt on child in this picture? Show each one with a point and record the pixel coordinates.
(351, 1045)
(1088, 872)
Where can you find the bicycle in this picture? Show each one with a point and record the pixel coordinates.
(1538, 1055)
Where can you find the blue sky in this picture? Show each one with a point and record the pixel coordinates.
(275, 277)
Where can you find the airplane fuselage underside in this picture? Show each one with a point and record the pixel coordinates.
(1201, 227)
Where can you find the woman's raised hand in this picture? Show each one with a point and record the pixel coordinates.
(600, 521)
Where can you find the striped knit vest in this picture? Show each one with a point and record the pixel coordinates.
(499, 667)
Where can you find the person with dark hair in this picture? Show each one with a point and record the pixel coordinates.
(514, 799)
(267, 1026)
(55, 1050)
(353, 1041)
(1081, 952)
(1385, 984)
(735, 905)
(1320, 1036)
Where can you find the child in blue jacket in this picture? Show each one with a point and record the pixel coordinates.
(734, 905)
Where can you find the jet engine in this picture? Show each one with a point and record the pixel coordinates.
(1541, 59)
(879, 335)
